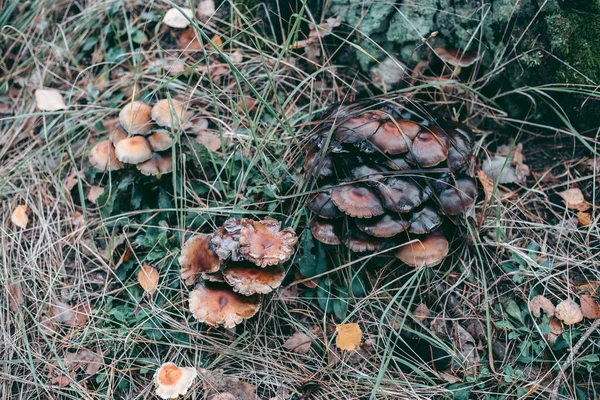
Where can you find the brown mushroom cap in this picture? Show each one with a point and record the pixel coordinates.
(227, 242)
(156, 165)
(198, 257)
(456, 58)
(217, 304)
(116, 134)
(400, 194)
(430, 147)
(318, 166)
(133, 150)
(326, 231)
(322, 205)
(386, 226)
(398, 164)
(169, 112)
(265, 243)
(426, 252)
(370, 175)
(103, 157)
(358, 242)
(358, 129)
(357, 201)
(460, 152)
(135, 118)
(424, 221)
(395, 137)
(458, 196)
(160, 141)
(248, 279)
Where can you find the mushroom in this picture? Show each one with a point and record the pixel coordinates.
(169, 112)
(172, 381)
(322, 205)
(458, 197)
(135, 118)
(248, 279)
(103, 157)
(157, 165)
(178, 18)
(371, 175)
(424, 221)
(217, 304)
(133, 150)
(117, 134)
(265, 243)
(395, 137)
(456, 58)
(226, 239)
(318, 166)
(358, 129)
(425, 252)
(430, 147)
(358, 242)
(326, 231)
(160, 141)
(460, 151)
(398, 164)
(386, 226)
(197, 258)
(400, 194)
(357, 201)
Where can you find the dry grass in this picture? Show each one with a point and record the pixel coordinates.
(68, 251)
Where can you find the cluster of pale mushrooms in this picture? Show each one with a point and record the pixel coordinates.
(388, 182)
(235, 265)
(141, 137)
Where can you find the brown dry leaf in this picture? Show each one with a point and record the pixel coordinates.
(487, 183)
(94, 193)
(466, 345)
(540, 302)
(556, 329)
(585, 219)
(63, 313)
(324, 29)
(348, 336)
(216, 41)
(574, 199)
(422, 312)
(216, 382)
(246, 103)
(148, 278)
(70, 182)
(589, 288)
(589, 307)
(77, 219)
(299, 343)
(236, 57)
(49, 100)
(222, 396)
(84, 358)
(188, 40)
(15, 296)
(20, 216)
(209, 139)
(568, 312)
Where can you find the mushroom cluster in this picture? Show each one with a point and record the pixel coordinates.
(236, 264)
(387, 181)
(141, 138)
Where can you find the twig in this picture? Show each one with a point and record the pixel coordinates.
(561, 373)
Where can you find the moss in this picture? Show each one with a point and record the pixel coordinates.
(575, 38)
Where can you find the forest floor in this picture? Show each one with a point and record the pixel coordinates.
(75, 322)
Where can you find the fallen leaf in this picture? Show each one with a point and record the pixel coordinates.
(487, 183)
(574, 199)
(568, 312)
(20, 216)
(216, 41)
(236, 57)
(585, 219)
(222, 396)
(466, 345)
(77, 219)
(84, 358)
(148, 278)
(94, 193)
(216, 382)
(209, 139)
(206, 8)
(540, 302)
(15, 296)
(422, 312)
(299, 343)
(499, 169)
(63, 313)
(188, 40)
(175, 18)
(49, 100)
(439, 327)
(589, 307)
(556, 329)
(348, 336)
(246, 104)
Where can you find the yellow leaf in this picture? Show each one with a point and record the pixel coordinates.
(148, 278)
(348, 336)
(217, 41)
(20, 216)
(574, 199)
(584, 218)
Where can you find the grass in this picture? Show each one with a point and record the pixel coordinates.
(526, 241)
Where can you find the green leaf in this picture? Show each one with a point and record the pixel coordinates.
(512, 308)
(357, 287)
(313, 260)
(504, 324)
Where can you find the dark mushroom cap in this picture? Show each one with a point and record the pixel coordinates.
(400, 194)
(198, 257)
(358, 242)
(358, 129)
(426, 252)
(248, 279)
(326, 231)
(385, 226)
(395, 137)
(357, 201)
(457, 198)
(456, 58)
(370, 175)
(460, 152)
(265, 243)
(318, 166)
(430, 147)
(424, 221)
(322, 205)
(398, 164)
